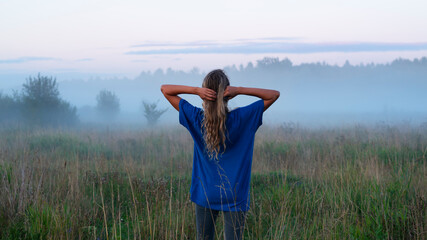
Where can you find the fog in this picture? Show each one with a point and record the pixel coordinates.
(312, 94)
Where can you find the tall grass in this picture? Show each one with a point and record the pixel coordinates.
(337, 183)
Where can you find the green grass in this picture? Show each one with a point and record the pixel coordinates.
(342, 183)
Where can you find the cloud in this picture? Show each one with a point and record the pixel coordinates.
(270, 38)
(171, 44)
(140, 60)
(26, 59)
(84, 59)
(65, 69)
(203, 43)
(270, 45)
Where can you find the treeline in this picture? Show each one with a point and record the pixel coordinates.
(39, 104)
(276, 67)
(309, 87)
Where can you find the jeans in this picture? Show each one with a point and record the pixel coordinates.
(234, 223)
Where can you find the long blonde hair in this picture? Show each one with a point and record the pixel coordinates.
(215, 113)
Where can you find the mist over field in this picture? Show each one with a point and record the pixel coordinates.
(312, 94)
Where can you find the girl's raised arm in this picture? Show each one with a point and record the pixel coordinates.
(269, 96)
(171, 93)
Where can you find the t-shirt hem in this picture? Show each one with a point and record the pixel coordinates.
(222, 207)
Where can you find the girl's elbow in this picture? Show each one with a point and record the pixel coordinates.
(163, 89)
(276, 95)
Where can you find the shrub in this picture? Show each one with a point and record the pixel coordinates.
(151, 113)
(42, 104)
(108, 104)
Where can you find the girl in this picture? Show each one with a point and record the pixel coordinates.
(223, 149)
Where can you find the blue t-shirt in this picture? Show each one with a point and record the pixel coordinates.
(223, 184)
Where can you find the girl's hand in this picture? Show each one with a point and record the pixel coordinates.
(231, 92)
(206, 94)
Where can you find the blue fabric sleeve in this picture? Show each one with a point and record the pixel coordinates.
(252, 114)
(187, 113)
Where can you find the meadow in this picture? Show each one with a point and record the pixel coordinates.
(353, 182)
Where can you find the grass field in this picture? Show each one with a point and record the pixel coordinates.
(335, 183)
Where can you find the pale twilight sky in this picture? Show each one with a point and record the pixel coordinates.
(127, 37)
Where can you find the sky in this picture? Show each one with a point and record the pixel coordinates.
(123, 38)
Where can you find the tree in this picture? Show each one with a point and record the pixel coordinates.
(43, 105)
(151, 113)
(10, 108)
(108, 104)
(267, 62)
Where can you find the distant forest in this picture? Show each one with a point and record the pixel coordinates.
(398, 87)
(273, 68)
